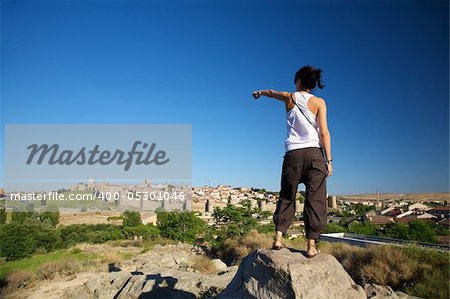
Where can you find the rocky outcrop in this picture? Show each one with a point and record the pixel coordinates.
(289, 273)
(165, 272)
(168, 272)
(375, 291)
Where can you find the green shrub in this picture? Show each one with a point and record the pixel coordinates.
(364, 228)
(51, 216)
(90, 233)
(147, 232)
(234, 221)
(266, 228)
(417, 230)
(17, 241)
(131, 219)
(114, 218)
(2, 216)
(21, 216)
(334, 228)
(182, 226)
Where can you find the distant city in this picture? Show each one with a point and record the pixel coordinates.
(97, 202)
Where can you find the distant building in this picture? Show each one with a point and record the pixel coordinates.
(412, 217)
(332, 202)
(209, 206)
(262, 205)
(440, 212)
(418, 206)
(426, 216)
(378, 220)
(371, 213)
(445, 222)
(406, 219)
(407, 213)
(299, 207)
(393, 213)
(387, 210)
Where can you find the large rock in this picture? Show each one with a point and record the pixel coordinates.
(289, 273)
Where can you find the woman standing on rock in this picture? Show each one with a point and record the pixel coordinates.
(304, 160)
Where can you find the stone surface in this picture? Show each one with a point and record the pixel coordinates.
(220, 266)
(289, 273)
(375, 291)
(163, 273)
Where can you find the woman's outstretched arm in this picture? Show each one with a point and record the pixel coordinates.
(283, 96)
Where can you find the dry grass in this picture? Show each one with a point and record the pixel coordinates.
(126, 243)
(234, 250)
(417, 271)
(149, 244)
(203, 264)
(65, 267)
(411, 269)
(18, 280)
(381, 264)
(112, 258)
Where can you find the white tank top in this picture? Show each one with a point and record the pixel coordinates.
(300, 132)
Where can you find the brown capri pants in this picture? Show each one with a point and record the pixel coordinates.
(305, 165)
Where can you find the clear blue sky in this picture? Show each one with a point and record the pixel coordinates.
(385, 64)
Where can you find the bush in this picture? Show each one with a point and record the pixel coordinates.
(147, 232)
(422, 231)
(334, 228)
(234, 221)
(51, 216)
(2, 216)
(266, 228)
(17, 241)
(131, 219)
(21, 216)
(114, 218)
(364, 228)
(90, 233)
(22, 239)
(181, 226)
(417, 230)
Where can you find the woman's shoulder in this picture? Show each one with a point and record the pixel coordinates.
(316, 99)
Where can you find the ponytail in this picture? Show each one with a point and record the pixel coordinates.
(309, 76)
(317, 78)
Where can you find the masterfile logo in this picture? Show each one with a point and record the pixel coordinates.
(67, 157)
(102, 152)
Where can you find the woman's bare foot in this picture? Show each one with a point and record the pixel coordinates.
(277, 240)
(312, 249)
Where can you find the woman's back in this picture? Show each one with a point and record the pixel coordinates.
(302, 128)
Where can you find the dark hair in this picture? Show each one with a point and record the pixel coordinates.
(309, 76)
